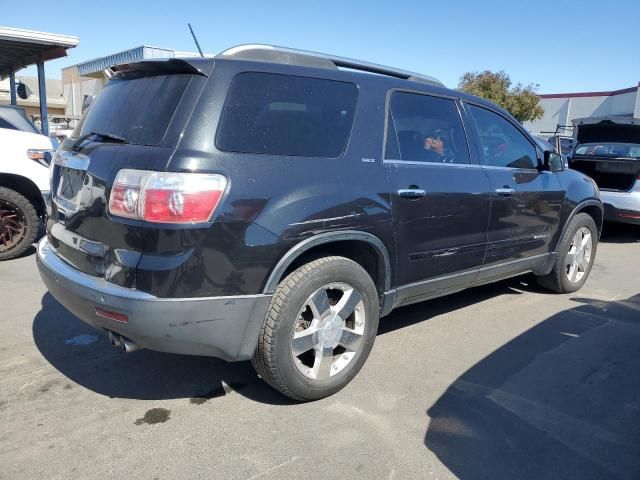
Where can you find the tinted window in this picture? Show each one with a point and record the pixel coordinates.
(626, 150)
(503, 145)
(287, 115)
(425, 129)
(137, 107)
(5, 124)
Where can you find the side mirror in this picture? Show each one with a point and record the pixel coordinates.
(23, 91)
(553, 162)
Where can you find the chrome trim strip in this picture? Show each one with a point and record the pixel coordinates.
(417, 162)
(73, 160)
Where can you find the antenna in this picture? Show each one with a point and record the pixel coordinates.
(195, 40)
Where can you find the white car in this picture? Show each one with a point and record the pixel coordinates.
(25, 155)
(608, 150)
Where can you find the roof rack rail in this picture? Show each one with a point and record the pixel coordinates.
(292, 56)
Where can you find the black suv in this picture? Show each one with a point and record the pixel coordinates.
(272, 204)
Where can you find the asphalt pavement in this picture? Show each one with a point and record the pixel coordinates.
(504, 381)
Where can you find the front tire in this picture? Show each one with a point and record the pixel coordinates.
(576, 255)
(19, 224)
(319, 329)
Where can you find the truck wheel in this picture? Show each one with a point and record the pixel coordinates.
(19, 224)
(576, 254)
(319, 329)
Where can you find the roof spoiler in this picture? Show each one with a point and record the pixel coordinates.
(160, 66)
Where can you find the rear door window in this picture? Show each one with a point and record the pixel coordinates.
(423, 128)
(287, 115)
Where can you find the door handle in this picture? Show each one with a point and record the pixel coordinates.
(411, 192)
(505, 191)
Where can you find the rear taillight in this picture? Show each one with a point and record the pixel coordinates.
(166, 197)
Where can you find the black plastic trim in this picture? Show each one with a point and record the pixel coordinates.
(323, 238)
(585, 203)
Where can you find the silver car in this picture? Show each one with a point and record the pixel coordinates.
(608, 150)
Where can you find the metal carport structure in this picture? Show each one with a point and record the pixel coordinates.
(22, 48)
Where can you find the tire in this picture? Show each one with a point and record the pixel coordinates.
(19, 224)
(560, 278)
(299, 308)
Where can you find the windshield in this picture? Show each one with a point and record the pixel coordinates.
(136, 107)
(626, 150)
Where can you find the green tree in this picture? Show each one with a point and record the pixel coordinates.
(521, 102)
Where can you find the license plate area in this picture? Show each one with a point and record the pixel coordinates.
(70, 187)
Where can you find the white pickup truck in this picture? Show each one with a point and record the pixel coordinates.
(25, 155)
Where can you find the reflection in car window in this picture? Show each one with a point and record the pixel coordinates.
(625, 150)
(502, 144)
(422, 128)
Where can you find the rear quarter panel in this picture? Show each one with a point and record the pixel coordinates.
(273, 202)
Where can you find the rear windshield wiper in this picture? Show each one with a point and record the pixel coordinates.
(106, 137)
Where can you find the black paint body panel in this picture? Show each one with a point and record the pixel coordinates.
(273, 203)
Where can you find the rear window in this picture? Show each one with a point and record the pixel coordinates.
(625, 150)
(287, 115)
(135, 106)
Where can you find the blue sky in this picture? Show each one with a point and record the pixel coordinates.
(563, 46)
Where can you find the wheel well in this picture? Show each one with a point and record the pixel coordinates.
(26, 188)
(595, 213)
(361, 252)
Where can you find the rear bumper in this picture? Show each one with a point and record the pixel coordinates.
(622, 206)
(222, 327)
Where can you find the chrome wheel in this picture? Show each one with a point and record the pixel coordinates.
(13, 226)
(328, 331)
(579, 255)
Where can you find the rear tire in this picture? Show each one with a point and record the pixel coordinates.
(576, 255)
(306, 349)
(19, 224)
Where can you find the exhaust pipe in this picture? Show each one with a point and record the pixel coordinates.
(116, 340)
(124, 343)
(129, 346)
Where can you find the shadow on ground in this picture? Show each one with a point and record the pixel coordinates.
(620, 233)
(85, 355)
(560, 401)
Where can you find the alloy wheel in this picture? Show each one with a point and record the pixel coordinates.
(579, 255)
(13, 226)
(328, 331)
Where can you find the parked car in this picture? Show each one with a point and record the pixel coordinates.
(25, 155)
(544, 144)
(608, 150)
(565, 143)
(269, 205)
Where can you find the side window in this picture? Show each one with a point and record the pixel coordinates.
(287, 115)
(7, 125)
(503, 145)
(422, 128)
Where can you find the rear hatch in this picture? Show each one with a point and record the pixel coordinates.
(135, 122)
(609, 152)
